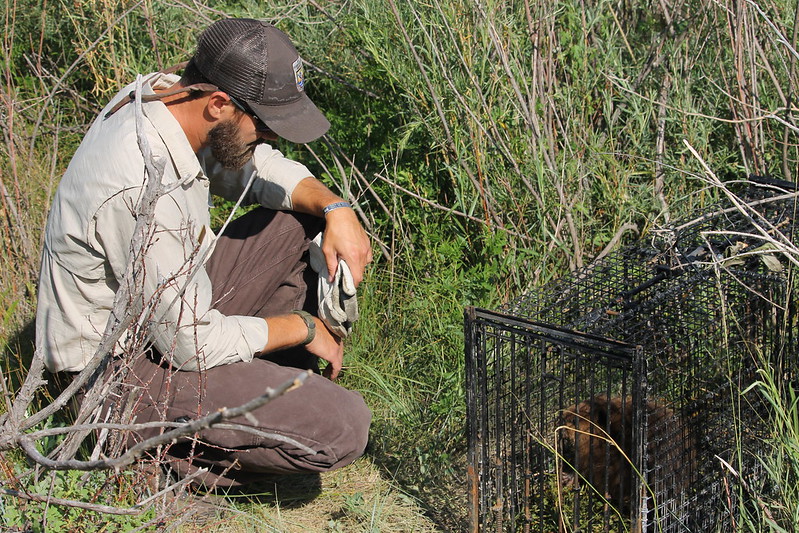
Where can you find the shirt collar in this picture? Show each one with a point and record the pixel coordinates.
(185, 160)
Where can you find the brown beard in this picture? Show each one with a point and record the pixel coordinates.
(227, 147)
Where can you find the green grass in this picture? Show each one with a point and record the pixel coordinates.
(778, 509)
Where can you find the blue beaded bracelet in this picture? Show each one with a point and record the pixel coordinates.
(335, 205)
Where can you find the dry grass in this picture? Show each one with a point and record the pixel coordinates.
(353, 499)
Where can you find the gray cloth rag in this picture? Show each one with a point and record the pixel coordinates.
(338, 301)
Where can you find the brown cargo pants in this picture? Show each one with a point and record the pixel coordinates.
(259, 268)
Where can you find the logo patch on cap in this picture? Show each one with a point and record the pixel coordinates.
(299, 77)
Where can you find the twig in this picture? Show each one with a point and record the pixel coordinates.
(784, 245)
(780, 36)
(335, 150)
(618, 83)
(786, 170)
(615, 240)
(24, 240)
(121, 316)
(451, 210)
(660, 148)
(191, 428)
(437, 102)
(51, 500)
(107, 509)
(745, 485)
(72, 67)
(713, 214)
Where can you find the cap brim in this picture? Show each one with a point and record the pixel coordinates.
(299, 121)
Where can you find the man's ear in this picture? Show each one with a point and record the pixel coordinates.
(219, 106)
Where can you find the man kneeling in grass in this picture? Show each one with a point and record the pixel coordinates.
(221, 327)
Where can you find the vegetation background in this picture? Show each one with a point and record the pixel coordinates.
(489, 145)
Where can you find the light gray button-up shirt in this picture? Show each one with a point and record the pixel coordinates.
(91, 223)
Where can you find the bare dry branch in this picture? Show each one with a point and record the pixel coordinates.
(449, 209)
(616, 239)
(107, 509)
(190, 428)
(660, 149)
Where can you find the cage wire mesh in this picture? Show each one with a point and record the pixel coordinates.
(610, 400)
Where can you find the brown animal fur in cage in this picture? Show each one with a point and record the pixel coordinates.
(595, 443)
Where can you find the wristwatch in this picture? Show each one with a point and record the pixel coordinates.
(309, 323)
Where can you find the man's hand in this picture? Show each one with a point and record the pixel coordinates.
(329, 347)
(346, 239)
(290, 330)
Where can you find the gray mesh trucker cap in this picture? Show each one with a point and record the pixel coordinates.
(255, 62)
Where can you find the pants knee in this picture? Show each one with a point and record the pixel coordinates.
(354, 434)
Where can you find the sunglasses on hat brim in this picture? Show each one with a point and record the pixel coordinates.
(259, 124)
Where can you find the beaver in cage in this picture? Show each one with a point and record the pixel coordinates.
(595, 444)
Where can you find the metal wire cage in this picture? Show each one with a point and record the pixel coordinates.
(610, 400)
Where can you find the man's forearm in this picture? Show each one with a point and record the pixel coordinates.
(285, 331)
(311, 196)
(291, 330)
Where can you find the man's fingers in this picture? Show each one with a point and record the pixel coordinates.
(331, 372)
(357, 266)
(333, 368)
(332, 266)
(357, 273)
(326, 345)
